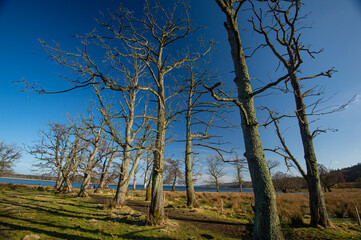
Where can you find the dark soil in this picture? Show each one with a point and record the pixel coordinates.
(189, 219)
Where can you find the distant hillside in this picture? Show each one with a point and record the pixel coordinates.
(353, 173)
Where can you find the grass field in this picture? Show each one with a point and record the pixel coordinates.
(32, 212)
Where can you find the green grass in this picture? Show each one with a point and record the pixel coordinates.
(26, 210)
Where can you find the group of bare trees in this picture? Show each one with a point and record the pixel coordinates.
(9, 153)
(138, 86)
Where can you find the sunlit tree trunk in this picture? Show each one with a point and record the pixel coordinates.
(191, 198)
(105, 171)
(317, 203)
(135, 181)
(156, 210)
(266, 220)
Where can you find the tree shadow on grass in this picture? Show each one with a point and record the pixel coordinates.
(59, 234)
(58, 212)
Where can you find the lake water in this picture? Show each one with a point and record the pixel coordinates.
(138, 187)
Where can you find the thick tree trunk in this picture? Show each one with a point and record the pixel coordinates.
(85, 184)
(59, 181)
(124, 180)
(316, 198)
(156, 210)
(266, 220)
(59, 188)
(122, 187)
(191, 198)
(88, 171)
(67, 188)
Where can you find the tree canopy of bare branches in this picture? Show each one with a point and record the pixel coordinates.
(9, 153)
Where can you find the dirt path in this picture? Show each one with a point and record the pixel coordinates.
(190, 219)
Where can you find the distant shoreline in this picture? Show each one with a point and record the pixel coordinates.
(33, 179)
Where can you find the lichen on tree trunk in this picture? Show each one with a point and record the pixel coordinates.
(316, 199)
(266, 219)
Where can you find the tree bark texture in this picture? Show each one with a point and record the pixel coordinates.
(266, 219)
(191, 198)
(316, 198)
(88, 172)
(124, 179)
(156, 210)
(85, 184)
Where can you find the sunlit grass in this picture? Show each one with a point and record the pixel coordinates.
(26, 210)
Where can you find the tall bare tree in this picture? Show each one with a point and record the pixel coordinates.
(215, 170)
(107, 162)
(150, 39)
(96, 148)
(266, 220)
(201, 115)
(173, 173)
(9, 153)
(240, 167)
(148, 160)
(283, 38)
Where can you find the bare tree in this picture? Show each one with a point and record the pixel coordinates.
(240, 166)
(136, 170)
(201, 115)
(266, 219)
(283, 38)
(285, 182)
(146, 40)
(173, 173)
(329, 178)
(107, 162)
(215, 169)
(9, 153)
(271, 164)
(96, 147)
(60, 149)
(148, 160)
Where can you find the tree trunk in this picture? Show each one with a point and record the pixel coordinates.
(174, 182)
(85, 184)
(59, 181)
(156, 210)
(148, 194)
(124, 179)
(59, 188)
(217, 185)
(145, 178)
(266, 220)
(135, 181)
(105, 172)
(122, 187)
(88, 172)
(67, 188)
(316, 198)
(191, 198)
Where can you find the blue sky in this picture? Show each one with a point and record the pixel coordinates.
(336, 28)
